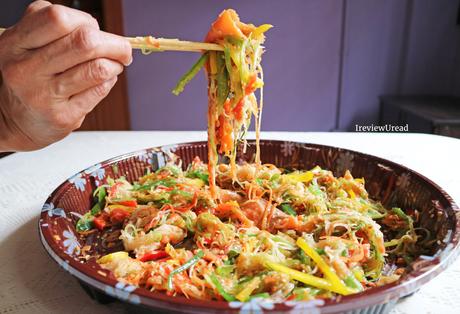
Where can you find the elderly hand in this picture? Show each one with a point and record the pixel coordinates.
(56, 66)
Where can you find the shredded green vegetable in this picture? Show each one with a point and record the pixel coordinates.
(186, 266)
(190, 75)
(228, 297)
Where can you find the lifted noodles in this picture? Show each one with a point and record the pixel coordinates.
(233, 77)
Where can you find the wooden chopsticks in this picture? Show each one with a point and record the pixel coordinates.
(149, 44)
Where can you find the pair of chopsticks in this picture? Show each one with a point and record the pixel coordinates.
(149, 43)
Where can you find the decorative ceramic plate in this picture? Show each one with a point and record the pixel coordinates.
(388, 182)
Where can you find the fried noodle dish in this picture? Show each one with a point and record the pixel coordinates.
(237, 231)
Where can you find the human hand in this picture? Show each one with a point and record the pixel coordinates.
(56, 66)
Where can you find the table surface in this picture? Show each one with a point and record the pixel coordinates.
(32, 283)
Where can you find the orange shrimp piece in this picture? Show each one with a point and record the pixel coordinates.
(232, 210)
(228, 24)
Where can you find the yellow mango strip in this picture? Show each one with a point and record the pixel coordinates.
(351, 194)
(112, 256)
(328, 272)
(297, 176)
(261, 29)
(308, 279)
(244, 294)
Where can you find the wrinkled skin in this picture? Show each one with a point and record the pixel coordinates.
(56, 66)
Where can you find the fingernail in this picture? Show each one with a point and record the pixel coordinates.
(130, 61)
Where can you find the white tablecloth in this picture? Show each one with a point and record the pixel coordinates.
(30, 282)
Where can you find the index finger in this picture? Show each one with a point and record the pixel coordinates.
(48, 24)
(80, 46)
